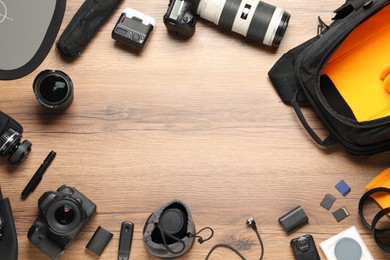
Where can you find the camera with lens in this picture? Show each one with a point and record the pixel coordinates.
(254, 19)
(62, 215)
(10, 140)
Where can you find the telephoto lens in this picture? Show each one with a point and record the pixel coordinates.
(254, 19)
(53, 89)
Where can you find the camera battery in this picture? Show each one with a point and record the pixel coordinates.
(133, 28)
(99, 241)
(293, 219)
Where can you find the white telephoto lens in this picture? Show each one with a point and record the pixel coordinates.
(254, 19)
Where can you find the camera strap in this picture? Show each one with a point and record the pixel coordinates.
(380, 235)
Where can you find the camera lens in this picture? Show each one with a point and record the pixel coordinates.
(53, 89)
(254, 19)
(10, 145)
(64, 214)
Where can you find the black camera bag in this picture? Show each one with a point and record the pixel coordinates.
(297, 79)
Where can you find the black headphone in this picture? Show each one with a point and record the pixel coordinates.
(379, 234)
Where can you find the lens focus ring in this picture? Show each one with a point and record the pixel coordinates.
(7, 140)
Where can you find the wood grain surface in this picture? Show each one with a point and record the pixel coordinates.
(196, 120)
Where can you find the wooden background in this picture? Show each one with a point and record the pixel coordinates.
(196, 120)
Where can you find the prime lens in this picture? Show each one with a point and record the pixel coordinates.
(53, 89)
(254, 19)
(64, 216)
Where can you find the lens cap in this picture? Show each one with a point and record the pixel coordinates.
(173, 221)
(53, 89)
(21, 152)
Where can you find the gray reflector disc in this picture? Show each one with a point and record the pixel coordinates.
(347, 249)
(27, 32)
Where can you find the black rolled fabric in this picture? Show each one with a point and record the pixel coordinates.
(84, 25)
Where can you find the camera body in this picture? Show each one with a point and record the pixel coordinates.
(254, 19)
(62, 215)
(10, 140)
(179, 18)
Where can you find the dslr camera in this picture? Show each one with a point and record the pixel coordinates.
(10, 140)
(254, 19)
(62, 215)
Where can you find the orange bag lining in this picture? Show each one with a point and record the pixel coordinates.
(356, 67)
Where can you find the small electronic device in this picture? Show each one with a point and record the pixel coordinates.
(304, 248)
(126, 237)
(133, 28)
(347, 244)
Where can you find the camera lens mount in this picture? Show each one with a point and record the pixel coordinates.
(64, 216)
(53, 89)
(10, 145)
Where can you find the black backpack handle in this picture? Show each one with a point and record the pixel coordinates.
(327, 142)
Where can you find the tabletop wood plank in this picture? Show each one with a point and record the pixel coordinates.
(196, 120)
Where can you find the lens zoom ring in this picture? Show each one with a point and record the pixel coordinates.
(228, 14)
(260, 21)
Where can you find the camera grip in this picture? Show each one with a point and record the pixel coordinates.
(8, 240)
(83, 26)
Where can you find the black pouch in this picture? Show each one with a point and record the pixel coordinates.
(299, 77)
(83, 26)
(170, 231)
